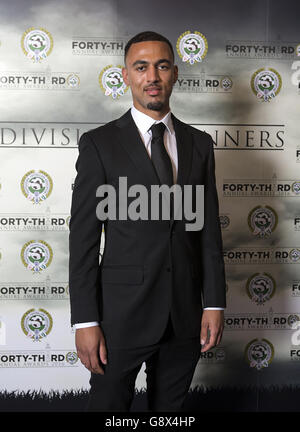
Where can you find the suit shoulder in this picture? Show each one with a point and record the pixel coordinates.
(200, 137)
(101, 131)
(100, 137)
(200, 134)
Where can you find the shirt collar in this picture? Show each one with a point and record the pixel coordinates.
(144, 122)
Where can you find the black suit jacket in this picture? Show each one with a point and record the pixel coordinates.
(149, 267)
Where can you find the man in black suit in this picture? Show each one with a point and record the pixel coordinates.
(157, 296)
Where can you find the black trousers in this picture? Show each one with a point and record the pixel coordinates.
(170, 366)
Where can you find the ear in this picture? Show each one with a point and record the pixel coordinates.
(175, 74)
(125, 75)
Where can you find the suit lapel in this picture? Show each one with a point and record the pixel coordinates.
(135, 148)
(184, 151)
(184, 144)
(131, 140)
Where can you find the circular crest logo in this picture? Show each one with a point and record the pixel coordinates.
(262, 221)
(36, 186)
(294, 255)
(220, 354)
(68, 221)
(293, 320)
(36, 324)
(260, 287)
(224, 221)
(37, 44)
(226, 83)
(259, 353)
(111, 81)
(296, 187)
(73, 80)
(192, 47)
(36, 255)
(71, 357)
(298, 50)
(266, 83)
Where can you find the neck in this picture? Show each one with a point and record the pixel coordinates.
(156, 115)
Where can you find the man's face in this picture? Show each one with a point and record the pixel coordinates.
(151, 73)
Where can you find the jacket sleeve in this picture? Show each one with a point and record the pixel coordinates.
(213, 282)
(85, 235)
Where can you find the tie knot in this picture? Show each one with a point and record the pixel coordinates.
(158, 130)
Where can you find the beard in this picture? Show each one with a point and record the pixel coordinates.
(155, 106)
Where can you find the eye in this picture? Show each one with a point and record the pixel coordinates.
(163, 67)
(140, 68)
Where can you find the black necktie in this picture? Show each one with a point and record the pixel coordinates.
(159, 155)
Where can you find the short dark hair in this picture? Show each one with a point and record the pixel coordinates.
(147, 36)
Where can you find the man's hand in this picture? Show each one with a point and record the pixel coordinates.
(91, 348)
(212, 326)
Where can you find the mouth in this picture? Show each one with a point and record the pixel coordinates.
(153, 91)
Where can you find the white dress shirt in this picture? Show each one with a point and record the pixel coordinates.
(144, 123)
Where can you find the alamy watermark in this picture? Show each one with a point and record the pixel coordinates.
(164, 201)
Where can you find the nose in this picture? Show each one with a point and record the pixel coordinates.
(152, 74)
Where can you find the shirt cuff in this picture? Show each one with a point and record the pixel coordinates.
(95, 323)
(86, 324)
